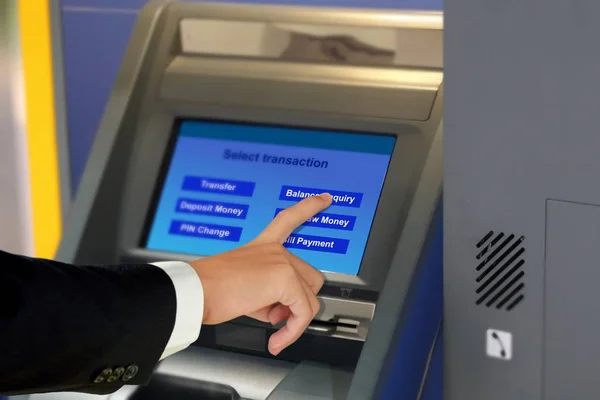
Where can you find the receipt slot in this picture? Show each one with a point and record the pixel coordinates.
(224, 115)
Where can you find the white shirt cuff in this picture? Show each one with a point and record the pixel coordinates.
(190, 305)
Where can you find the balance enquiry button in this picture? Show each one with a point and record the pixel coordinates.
(326, 220)
(214, 208)
(217, 185)
(208, 231)
(345, 199)
(317, 243)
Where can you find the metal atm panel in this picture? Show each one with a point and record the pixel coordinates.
(167, 77)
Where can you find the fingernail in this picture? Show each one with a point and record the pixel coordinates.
(325, 196)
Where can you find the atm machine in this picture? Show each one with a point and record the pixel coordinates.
(223, 115)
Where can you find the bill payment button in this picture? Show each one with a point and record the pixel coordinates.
(317, 243)
(218, 185)
(344, 199)
(207, 231)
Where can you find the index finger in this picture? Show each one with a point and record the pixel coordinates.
(291, 218)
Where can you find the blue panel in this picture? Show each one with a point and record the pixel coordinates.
(405, 374)
(94, 44)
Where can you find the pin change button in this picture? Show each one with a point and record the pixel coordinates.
(317, 243)
(206, 231)
(297, 193)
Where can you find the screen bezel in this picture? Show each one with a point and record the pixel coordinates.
(157, 135)
(170, 153)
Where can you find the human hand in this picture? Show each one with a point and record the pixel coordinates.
(264, 281)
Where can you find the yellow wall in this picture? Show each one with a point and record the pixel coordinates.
(34, 21)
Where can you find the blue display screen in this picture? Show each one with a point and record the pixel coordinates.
(226, 182)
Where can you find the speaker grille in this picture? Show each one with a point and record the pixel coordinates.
(500, 274)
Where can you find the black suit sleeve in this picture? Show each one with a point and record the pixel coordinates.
(81, 328)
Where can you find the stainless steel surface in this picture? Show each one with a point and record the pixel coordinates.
(335, 308)
(15, 208)
(426, 20)
(400, 45)
(122, 394)
(345, 312)
(378, 92)
(254, 378)
(313, 382)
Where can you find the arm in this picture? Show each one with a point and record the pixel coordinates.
(61, 325)
(94, 328)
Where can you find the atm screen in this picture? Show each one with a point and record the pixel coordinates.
(225, 182)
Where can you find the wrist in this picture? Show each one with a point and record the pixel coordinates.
(197, 266)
